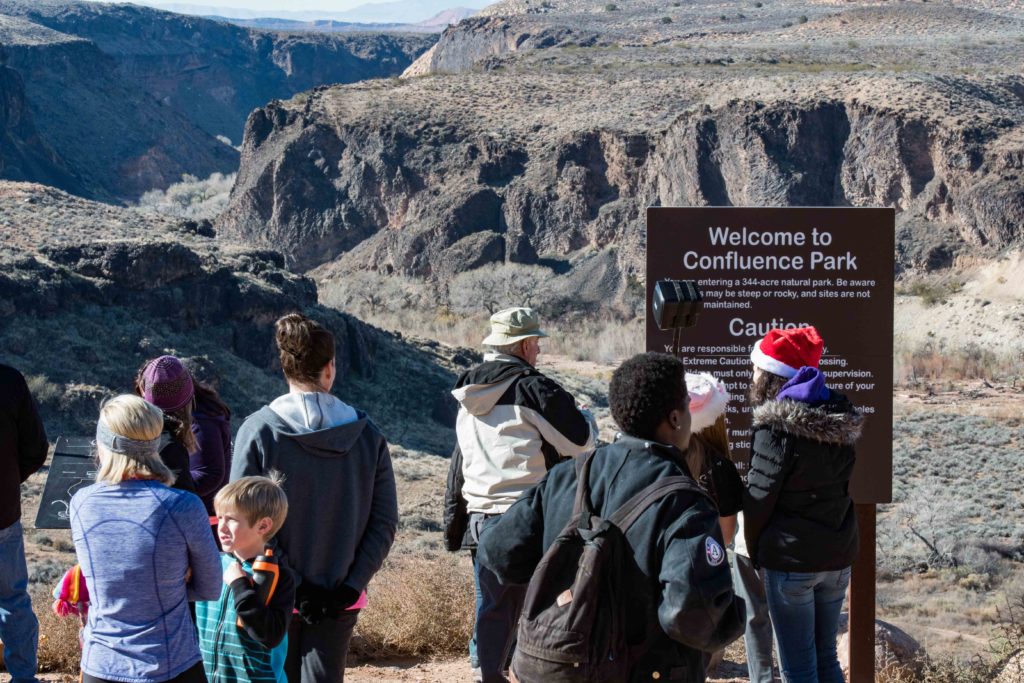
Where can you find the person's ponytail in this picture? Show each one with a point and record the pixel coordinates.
(304, 347)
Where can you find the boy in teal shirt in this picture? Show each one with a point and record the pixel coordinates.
(243, 635)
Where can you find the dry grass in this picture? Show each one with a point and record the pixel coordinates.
(59, 651)
(928, 364)
(418, 607)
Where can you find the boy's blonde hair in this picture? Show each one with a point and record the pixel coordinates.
(137, 419)
(255, 498)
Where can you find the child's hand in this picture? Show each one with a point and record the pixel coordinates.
(188, 574)
(233, 572)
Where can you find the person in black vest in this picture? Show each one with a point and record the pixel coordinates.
(23, 448)
(680, 584)
(799, 521)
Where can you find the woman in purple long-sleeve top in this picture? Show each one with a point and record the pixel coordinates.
(210, 464)
(145, 550)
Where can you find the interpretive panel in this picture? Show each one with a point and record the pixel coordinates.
(72, 468)
(760, 268)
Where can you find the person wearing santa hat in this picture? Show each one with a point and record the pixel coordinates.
(708, 461)
(799, 520)
(707, 457)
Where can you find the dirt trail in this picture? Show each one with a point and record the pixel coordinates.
(449, 671)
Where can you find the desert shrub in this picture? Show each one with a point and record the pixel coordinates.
(192, 197)
(803, 19)
(666, 20)
(59, 651)
(418, 607)
(366, 294)
(931, 292)
(45, 571)
(966, 459)
(499, 285)
(42, 389)
(611, 7)
(927, 363)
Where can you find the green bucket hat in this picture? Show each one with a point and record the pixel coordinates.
(512, 324)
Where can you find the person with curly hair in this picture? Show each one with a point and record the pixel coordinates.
(677, 585)
(343, 507)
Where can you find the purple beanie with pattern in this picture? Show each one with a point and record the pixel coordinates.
(167, 384)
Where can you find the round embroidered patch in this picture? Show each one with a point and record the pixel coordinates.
(716, 555)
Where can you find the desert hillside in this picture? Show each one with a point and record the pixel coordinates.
(539, 132)
(125, 99)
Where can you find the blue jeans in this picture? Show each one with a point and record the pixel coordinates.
(19, 628)
(757, 639)
(805, 608)
(497, 614)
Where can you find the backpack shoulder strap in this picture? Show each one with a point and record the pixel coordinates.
(631, 510)
(582, 502)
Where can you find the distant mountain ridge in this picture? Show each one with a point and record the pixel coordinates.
(435, 24)
(397, 12)
(129, 98)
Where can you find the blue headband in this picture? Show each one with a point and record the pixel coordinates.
(115, 443)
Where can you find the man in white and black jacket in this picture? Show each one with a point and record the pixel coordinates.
(514, 424)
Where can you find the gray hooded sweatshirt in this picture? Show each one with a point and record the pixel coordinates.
(342, 504)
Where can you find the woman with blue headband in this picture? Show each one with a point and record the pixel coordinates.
(145, 550)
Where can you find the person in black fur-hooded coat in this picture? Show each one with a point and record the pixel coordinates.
(799, 520)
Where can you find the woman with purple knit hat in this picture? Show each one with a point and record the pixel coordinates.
(799, 520)
(166, 383)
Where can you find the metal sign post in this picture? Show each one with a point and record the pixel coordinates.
(759, 268)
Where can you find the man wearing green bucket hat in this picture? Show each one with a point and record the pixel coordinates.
(514, 424)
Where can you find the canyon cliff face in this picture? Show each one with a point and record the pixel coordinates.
(541, 135)
(515, 162)
(132, 98)
(23, 153)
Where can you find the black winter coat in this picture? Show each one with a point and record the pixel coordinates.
(797, 513)
(23, 444)
(678, 581)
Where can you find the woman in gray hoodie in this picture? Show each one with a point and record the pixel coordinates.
(343, 509)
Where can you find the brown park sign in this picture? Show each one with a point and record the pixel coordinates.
(760, 268)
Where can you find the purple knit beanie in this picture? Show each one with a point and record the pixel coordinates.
(166, 383)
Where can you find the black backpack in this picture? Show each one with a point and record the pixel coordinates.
(574, 621)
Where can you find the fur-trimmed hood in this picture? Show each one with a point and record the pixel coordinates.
(835, 421)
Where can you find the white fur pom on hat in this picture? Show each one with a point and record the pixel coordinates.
(708, 399)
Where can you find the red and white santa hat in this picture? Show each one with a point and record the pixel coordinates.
(784, 352)
(708, 399)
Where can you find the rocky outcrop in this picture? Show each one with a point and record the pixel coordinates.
(847, 153)
(476, 40)
(119, 141)
(23, 153)
(898, 657)
(107, 288)
(130, 98)
(215, 73)
(384, 187)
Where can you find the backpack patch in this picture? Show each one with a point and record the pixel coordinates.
(715, 554)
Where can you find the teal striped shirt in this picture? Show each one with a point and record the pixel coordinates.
(256, 651)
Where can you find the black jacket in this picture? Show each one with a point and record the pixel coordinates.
(23, 444)
(455, 516)
(174, 454)
(797, 513)
(677, 579)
